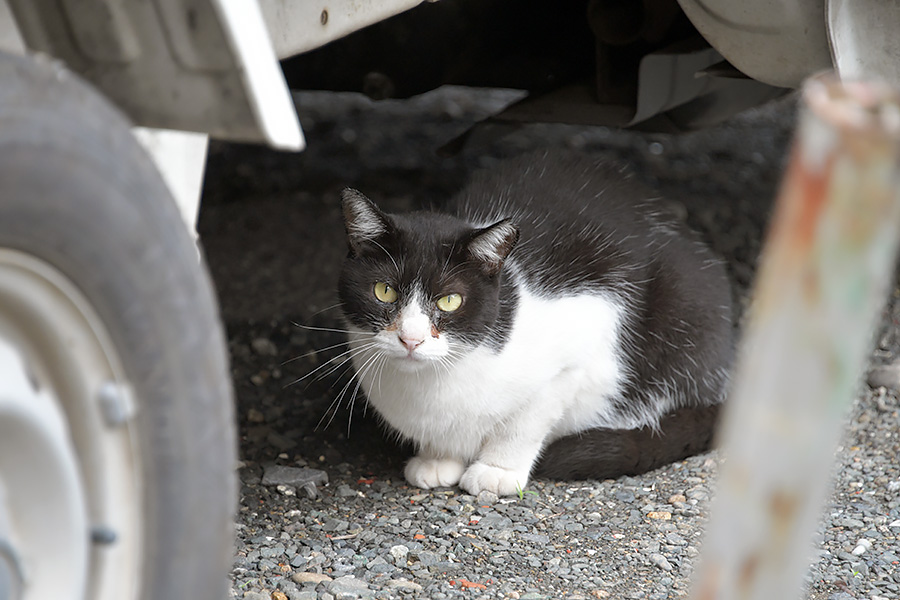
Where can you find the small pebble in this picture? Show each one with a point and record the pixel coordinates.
(862, 546)
(404, 585)
(399, 554)
(887, 376)
(293, 476)
(487, 498)
(264, 347)
(625, 496)
(309, 577)
(661, 561)
(286, 490)
(349, 586)
(850, 523)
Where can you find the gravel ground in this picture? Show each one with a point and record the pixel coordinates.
(337, 520)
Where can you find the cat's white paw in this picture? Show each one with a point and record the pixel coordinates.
(503, 482)
(433, 472)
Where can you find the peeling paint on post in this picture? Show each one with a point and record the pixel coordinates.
(825, 273)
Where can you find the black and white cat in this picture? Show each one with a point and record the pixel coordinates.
(552, 314)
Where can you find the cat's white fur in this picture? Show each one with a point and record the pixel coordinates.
(480, 417)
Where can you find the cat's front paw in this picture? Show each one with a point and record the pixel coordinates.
(433, 472)
(503, 482)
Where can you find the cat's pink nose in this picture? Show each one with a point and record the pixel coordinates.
(411, 342)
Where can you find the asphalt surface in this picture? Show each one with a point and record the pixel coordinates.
(271, 228)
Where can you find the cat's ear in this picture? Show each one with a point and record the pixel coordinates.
(490, 246)
(362, 219)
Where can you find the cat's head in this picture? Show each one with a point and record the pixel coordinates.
(425, 286)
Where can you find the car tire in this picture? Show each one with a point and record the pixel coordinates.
(86, 219)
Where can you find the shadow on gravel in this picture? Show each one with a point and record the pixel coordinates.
(271, 227)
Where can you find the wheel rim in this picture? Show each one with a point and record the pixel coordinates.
(69, 467)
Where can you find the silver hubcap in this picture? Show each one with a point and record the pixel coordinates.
(69, 470)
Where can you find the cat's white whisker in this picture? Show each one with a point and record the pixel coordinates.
(347, 357)
(313, 352)
(362, 374)
(336, 403)
(331, 330)
(326, 309)
(330, 363)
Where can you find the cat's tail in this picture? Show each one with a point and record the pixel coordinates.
(609, 453)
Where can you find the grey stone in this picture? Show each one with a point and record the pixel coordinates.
(486, 497)
(661, 561)
(267, 564)
(309, 578)
(298, 561)
(279, 441)
(380, 565)
(399, 554)
(264, 347)
(255, 596)
(699, 493)
(537, 538)
(349, 586)
(403, 585)
(849, 523)
(859, 569)
(427, 558)
(272, 552)
(495, 521)
(332, 525)
(295, 476)
(862, 546)
(887, 376)
(624, 496)
(345, 491)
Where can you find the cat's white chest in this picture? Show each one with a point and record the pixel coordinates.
(556, 374)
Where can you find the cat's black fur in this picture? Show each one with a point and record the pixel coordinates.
(609, 453)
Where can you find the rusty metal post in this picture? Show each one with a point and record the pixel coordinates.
(825, 273)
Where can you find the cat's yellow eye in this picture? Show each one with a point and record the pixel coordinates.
(450, 302)
(385, 293)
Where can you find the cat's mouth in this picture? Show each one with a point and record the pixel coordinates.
(412, 361)
(413, 356)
